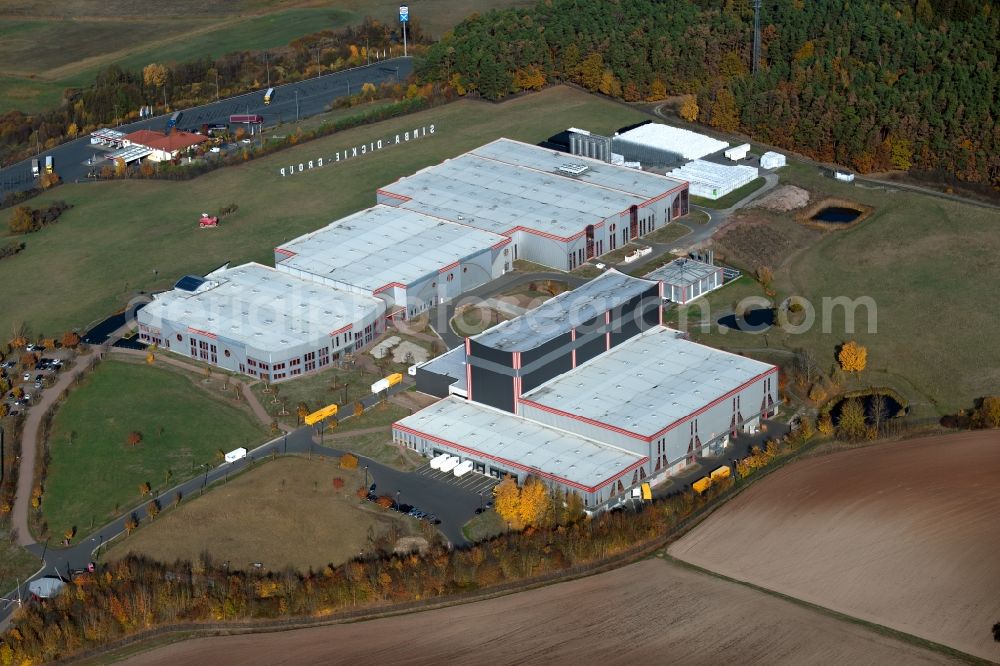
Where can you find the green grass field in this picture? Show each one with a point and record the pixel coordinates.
(95, 475)
(923, 261)
(122, 237)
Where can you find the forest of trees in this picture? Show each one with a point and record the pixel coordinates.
(896, 85)
(116, 94)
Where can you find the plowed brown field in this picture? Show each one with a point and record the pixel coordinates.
(906, 535)
(651, 612)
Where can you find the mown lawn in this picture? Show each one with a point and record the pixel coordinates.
(122, 237)
(94, 474)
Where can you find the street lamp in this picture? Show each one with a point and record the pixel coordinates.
(296, 105)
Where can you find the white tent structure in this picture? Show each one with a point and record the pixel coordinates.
(772, 160)
(663, 144)
(711, 181)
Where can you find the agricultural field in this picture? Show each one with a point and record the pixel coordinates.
(651, 608)
(95, 473)
(902, 535)
(304, 523)
(154, 228)
(915, 258)
(35, 74)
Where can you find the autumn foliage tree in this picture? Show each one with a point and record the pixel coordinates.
(689, 108)
(133, 438)
(70, 339)
(524, 506)
(987, 413)
(852, 425)
(852, 357)
(348, 461)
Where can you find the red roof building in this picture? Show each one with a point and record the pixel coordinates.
(165, 147)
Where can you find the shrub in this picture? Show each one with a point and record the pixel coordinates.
(338, 483)
(348, 461)
(385, 501)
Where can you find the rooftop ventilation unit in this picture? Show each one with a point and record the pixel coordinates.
(573, 169)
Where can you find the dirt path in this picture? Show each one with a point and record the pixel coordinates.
(901, 534)
(31, 442)
(650, 612)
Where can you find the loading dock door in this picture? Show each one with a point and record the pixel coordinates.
(633, 224)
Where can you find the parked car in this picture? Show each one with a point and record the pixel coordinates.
(39, 377)
(38, 385)
(27, 376)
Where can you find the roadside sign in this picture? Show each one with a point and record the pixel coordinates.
(404, 13)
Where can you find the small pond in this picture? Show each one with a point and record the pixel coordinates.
(836, 215)
(890, 407)
(752, 321)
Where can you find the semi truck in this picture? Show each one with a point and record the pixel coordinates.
(268, 96)
(246, 119)
(34, 168)
(172, 121)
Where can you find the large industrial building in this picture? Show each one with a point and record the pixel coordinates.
(588, 391)
(558, 210)
(260, 322)
(410, 260)
(434, 235)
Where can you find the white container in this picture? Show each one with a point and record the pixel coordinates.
(737, 153)
(463, 468)
(437, 460)
(450, 464)
(236, 454)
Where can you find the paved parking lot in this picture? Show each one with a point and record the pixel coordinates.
(39, 377)
(472, 482)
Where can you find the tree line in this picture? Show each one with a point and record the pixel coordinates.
(117, 94)
(895, 85)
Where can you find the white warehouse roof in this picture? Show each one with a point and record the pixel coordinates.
(689, 145)
(563, 312)
(648, 382)
(383, 245)
(261, 307)
(507, 184)
(513, 441)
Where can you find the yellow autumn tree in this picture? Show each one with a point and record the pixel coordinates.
(852, 357)
(689, 108)
(507, 501)
(534, 503)
(657, 90)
